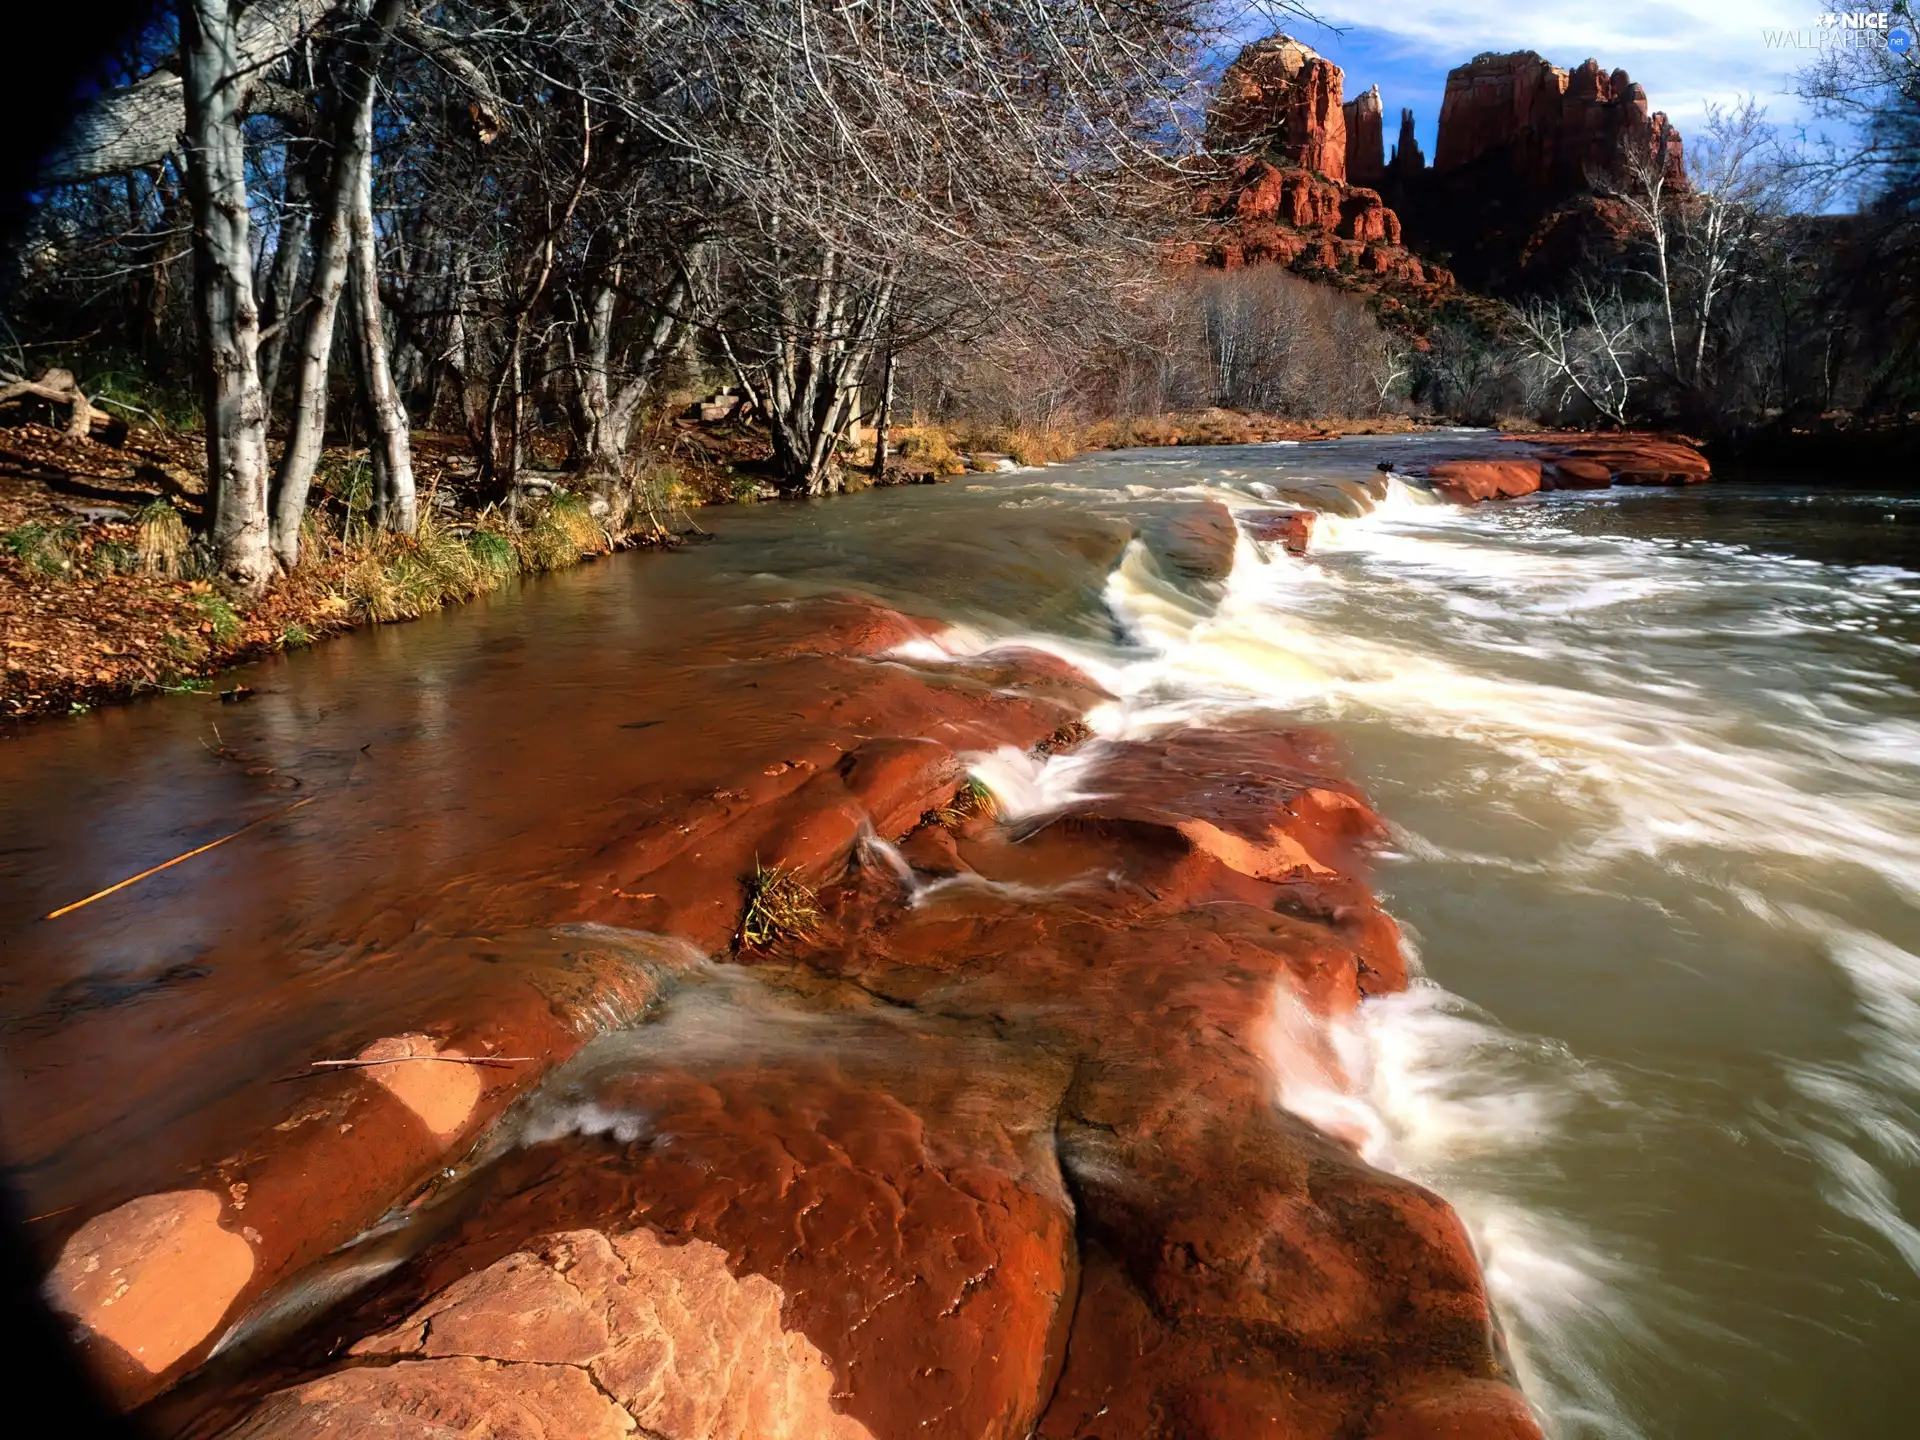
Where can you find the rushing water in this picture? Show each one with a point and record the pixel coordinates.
(1653, 760)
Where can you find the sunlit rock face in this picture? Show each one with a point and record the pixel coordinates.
(1554, 130)
(1281, 101)
(1285, 181)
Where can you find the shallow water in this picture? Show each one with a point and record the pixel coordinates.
(1653, 759)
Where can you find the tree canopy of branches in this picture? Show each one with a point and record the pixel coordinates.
(521, 213)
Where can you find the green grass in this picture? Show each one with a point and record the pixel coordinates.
(779, 907)
(493, 555)
(214, 609)
(41, 548)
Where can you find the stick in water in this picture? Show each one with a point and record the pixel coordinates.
(407, 1059)
(135, 879)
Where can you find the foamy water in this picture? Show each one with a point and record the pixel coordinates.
(1710, 752)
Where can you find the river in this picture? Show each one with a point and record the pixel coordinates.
(1651, 760)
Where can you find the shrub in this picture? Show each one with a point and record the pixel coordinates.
(163, 545)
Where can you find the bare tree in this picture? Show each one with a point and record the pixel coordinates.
(234, 408)
(339, 220)
(1587, 348)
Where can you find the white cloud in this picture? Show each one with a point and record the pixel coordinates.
(1685, 52)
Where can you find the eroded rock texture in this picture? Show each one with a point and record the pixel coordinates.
(1286, 184)
(989, 1140)
(1552, 129)
(1366, 139)
(1568, 462)
(995, 1149)
(1525, 154)
(1280, 101)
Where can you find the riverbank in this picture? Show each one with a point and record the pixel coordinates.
(103, 597)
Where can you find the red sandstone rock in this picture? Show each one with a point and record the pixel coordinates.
(1276, 189)
(1291, 528)
(1624, 459)
(1281, 101)
(1366, 143)
(1551, 128)
(868, 1173)
(1467, 482)
(1573, 474)
(1196, 541)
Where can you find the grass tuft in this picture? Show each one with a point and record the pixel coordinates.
(931, 445)
(562, 531)
(163, 545)
(223, 622)
(972, 798)
(779, 906)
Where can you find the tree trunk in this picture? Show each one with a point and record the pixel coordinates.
(884, 420)
(276, 315)
(601, 451)
(394, 504)
(229, 323)
(349, 173)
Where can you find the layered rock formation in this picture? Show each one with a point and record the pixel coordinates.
(1366, 140)
(1550, 129)
(1280, 102)
(1510, 198)
(990, 1141)
(1277, 191)
(1557, 462)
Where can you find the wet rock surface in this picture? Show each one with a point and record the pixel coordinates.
(1517, 465)
(991, 1142)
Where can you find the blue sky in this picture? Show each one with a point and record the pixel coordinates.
(1685, 52)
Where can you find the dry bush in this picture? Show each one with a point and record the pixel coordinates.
(932, 445)
(163, 544)
(1104, 366)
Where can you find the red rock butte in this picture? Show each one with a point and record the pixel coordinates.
(1556, 128)
(1284, 147)
(1521, 146)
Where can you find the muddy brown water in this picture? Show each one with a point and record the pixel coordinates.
(1654, 760)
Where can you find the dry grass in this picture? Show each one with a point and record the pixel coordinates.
(561, 533)
(932, 446)
(779, 907)
(1028, 444)
(162, 544)
(972, 798)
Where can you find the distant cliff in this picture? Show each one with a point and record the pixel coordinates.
(1299, 177)
(1283, 147)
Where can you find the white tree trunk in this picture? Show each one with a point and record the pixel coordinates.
(394, 504)
(349, 174)
(236, 412)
